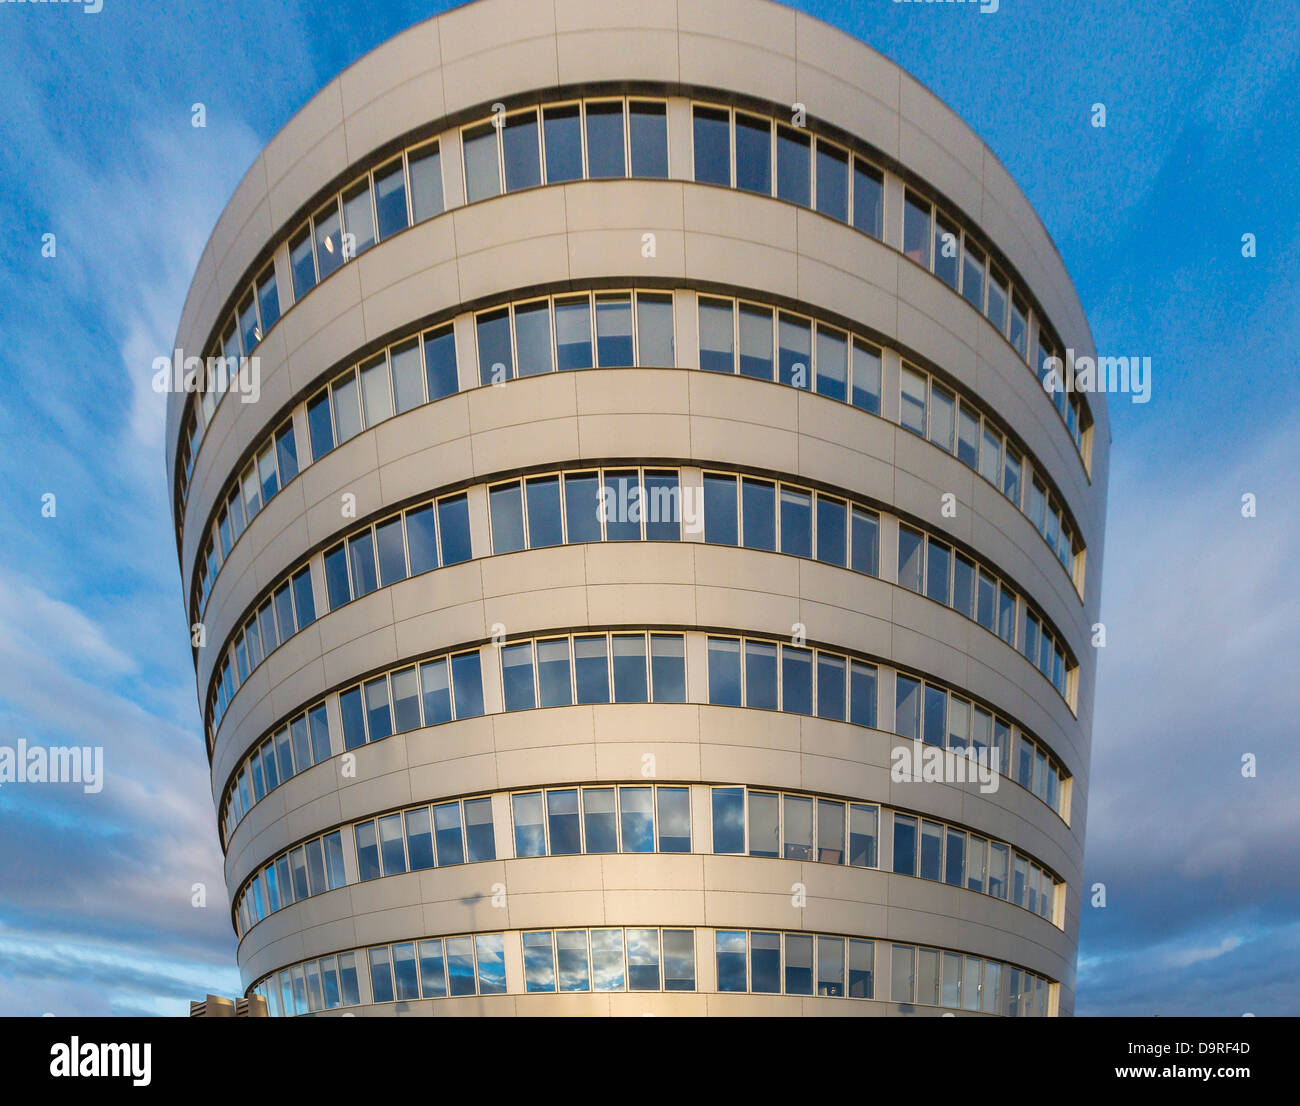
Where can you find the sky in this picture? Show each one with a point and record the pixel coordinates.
(1199, 862)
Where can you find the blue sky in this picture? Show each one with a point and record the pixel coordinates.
(1201, 867)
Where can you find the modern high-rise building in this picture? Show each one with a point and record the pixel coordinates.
(638, 569)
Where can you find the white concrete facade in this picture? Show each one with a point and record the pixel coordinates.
(428, 82)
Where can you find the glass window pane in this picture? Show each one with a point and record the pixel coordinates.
(721, 521)
(361, 558)
(636, 819)
(390, 198)
(544, 522)
(832, 182)
(866, 377)
(712, 145)
(972, 276)
(765, 963)
(796, 522)
(408, 382)
(491, 964)
(830, 966)
(562, 822)
(630, 669)
(761, 679)
(419, 838)
(753, 154)
(467, 683)
(936, 715)
(674, 819)
(654, 330)
(530, 833)
(522, 152)
(942, 417)
(302, 264)
(938, 560)
(622, 505)
(582, 507)
(381, 975)
(991, 455)
(648, 135)
(614, 331)
(912, 412)
(436, 692)
(453, 529)
(679, 959)
(421, 539)
(539, 962)
(832, 363)
(904, 845)
(798, 964)
(830, 832)
(406, 700)
(793, 166)
(724, 671)
(605, 140)
(573, 333)
(916, 229)
(553, 673)
(571, 954)
(963, 585)
(495, 362)
(607, 960)
(599, 819)
(862, 694)
(460, 965)
(358, 221)
(440, 362)
(533, 338)
(392, 847)
(562, 133)
(968, 436)
(764, 824)
(506, 505)
(795, 352)
(755, 342)
(433, 972)
(668, 668)
(731, 954)
(482, 173)
(643, 960)
(329, 244)
(447, 834)
(426, 182)
(830, 687)
(907, 715)
(864, 835)
(517, 676)
(591, 668)
(798, 818)
(390, 543)
(911, 554)
(865, 543)
(717, 342)
(758, 512)
(947, 246)
(931, 850)
(728, 820)
(954, 860)
(868, 199)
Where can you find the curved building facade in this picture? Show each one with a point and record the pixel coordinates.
(636, 568)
